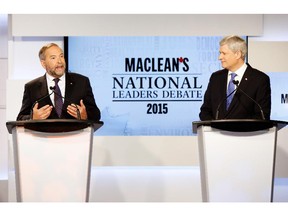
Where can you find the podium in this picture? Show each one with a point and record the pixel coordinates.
(52, 159)
(237, 159)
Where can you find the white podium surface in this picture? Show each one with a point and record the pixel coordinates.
(52, 167)
(236, 166)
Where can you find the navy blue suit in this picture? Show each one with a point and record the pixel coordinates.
(77, 87)
(254, 83)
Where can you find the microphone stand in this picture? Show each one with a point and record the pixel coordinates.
(236, 82)
(48, 95)
(220, 104)
(53, 91)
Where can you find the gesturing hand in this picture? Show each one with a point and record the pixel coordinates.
(42, 113)
(72, 110)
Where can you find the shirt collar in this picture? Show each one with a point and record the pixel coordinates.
(240, 72)
(51, 78)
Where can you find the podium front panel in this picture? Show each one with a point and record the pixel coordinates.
(52, 167)
(236, 166)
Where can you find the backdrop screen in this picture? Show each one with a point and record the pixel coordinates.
(146, 85)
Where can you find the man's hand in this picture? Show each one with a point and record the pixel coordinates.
(42, 113)
(72, 110)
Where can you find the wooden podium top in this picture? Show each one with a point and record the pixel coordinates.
(54, 125)
(239, 125)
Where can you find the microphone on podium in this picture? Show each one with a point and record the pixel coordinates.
(236, 82)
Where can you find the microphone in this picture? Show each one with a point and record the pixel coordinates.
(42, 98)
(77, 110)
(220, 104)
(236, 82)
(52, 88)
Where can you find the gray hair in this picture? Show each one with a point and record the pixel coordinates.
(43, 50)
(235, 43)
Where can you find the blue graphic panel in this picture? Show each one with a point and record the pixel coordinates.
(146, 85)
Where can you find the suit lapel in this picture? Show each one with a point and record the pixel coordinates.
(42, 87)
(223, 90)
(43, 90)
(246, 78)
(69, 89)
(224, 80)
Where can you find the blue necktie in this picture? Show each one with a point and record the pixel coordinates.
(58, 102)
(231, 87)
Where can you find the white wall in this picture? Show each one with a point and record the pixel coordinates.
(3, 131)
(136, 25)
(135, 151)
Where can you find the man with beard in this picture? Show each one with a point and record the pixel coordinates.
(58, 94)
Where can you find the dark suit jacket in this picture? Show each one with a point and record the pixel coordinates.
(77, 87)
(254, 83)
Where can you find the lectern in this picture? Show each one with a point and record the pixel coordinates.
(52, 159)
(237, 159)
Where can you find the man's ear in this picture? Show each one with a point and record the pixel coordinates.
(239, 54)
